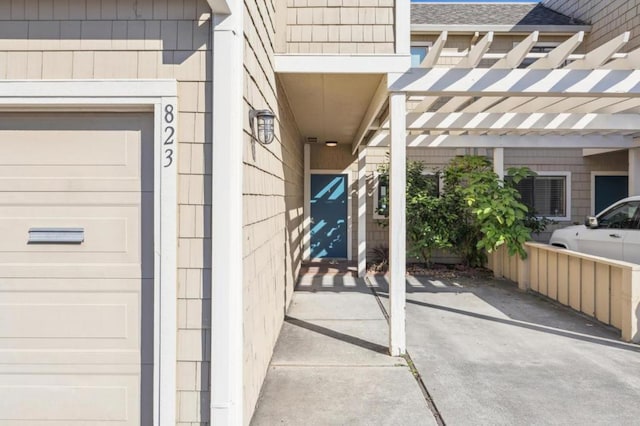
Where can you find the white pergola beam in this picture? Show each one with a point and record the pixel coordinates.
(631, 62)
(515, 57)
(397, 224)
(518, 82)
(508, 122)
(375, 106)
(434, 51)
(600, 55)
(476, 53)
(511, 141)
(425, 104)
(559, 55)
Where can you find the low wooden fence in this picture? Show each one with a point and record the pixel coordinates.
(605, 289)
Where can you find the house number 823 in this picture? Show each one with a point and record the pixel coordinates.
(168, 136)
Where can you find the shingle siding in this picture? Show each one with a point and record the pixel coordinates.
(338, 26)
(273, 204)
(608, 18)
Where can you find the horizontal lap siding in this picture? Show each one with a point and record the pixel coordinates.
(146, 39)
(273, 203)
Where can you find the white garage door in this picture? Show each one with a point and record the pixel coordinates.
(76, 318)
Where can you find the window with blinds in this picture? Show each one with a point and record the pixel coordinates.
(545, 195)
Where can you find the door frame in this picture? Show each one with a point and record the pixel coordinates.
(307, 210)
(160, 98)
(593, 185)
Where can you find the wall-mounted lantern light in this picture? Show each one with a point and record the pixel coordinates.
(262, 128)
(331, 143)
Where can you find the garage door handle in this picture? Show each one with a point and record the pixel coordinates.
(615, 235)
(56, 235)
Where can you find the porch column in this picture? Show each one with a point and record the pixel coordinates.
(362, 212)
(498, 162)
(306, 233)
(634, 171)
(397, 223)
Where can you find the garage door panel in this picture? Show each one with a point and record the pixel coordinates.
(69, 320)
(70, 398)
(58, 152)
(111, 234)
(65, 285)
(79, 271)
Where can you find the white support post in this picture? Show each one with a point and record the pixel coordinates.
(362, 212)
(306, 232)
(634, 171)
(227, 278)
(397, 223)
(498, 162)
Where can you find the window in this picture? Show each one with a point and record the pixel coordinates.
(381, 193)
(547, 194)
(419, 51)
(538, 48)
(622, 216)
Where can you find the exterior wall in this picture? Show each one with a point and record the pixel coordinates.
(339, 26)
(273, 205)
(608, 18)
(147, 39)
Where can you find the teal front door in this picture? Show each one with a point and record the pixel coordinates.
(328, 216)
(608, 190)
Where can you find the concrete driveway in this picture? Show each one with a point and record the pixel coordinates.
(491, 355)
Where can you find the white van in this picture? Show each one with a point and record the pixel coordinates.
(614, 233)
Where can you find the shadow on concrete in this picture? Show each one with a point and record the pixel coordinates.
(524, 310)
(337, 335)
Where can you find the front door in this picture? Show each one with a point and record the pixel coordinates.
(328, 216)
(608, 190)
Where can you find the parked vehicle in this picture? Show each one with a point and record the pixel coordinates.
(614, 233)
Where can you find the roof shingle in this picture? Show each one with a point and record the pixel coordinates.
(487, 14)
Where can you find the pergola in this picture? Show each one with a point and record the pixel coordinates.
(592, 100)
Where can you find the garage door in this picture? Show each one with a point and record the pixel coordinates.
(76, 272)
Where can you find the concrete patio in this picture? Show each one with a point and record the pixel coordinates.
(486, 353)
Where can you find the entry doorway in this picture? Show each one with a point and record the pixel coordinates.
(329, 202)
(607, 188)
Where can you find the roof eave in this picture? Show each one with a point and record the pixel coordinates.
(470, 29)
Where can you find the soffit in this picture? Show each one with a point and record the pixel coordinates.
(329, 106)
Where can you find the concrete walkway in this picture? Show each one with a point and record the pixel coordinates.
(487, 354)
(330, 365)
(491, 355)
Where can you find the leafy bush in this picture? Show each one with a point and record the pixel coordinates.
(476, 213)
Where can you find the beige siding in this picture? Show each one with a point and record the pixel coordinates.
(147, 39)
(608, 18)
(339, 26)
(273, 204)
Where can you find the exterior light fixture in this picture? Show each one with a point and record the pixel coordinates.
(331, 143)
(262, 128)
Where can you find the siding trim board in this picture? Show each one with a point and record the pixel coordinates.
(159, 96)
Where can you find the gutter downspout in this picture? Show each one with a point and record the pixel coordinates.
(226, 373)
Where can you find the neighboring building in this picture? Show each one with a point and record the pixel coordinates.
(151, 245)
